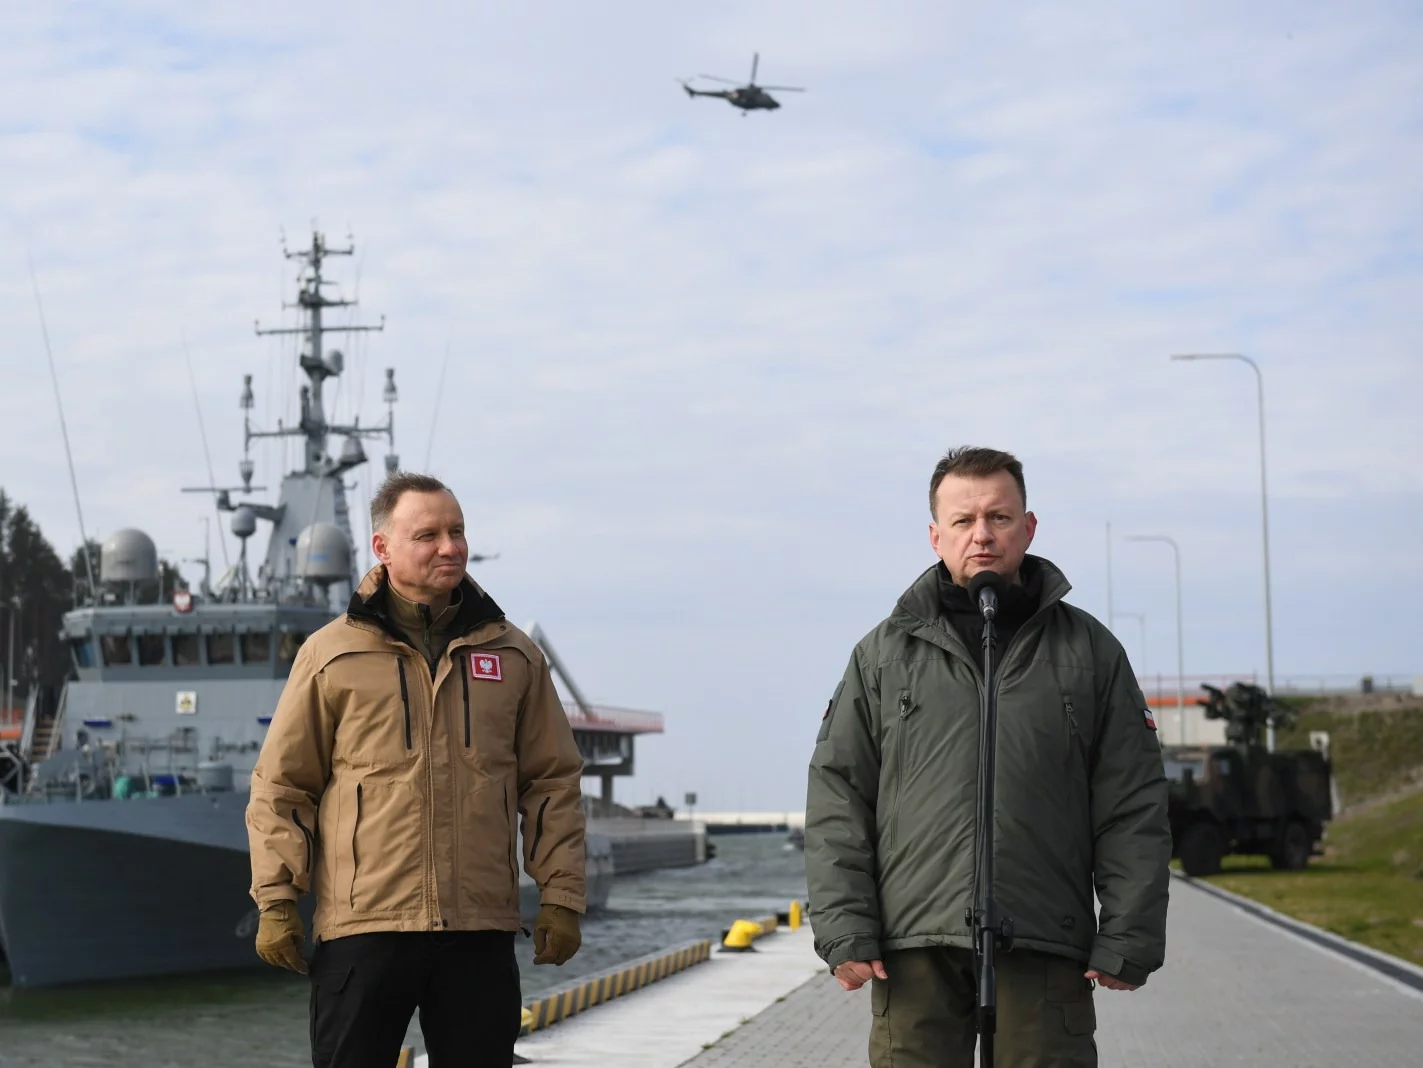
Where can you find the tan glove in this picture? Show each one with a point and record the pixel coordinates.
(556, 934)
(280, 936)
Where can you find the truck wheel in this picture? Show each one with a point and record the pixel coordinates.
(1292, 848)
(1201, 849)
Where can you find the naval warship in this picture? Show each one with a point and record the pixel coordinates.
(123, 852)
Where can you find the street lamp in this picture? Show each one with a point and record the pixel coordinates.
(1140, 618)
(1264, 517)
(1180, 658)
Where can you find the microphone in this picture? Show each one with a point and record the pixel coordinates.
(984, 589)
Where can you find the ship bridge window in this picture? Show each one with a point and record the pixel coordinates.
(291, 642)
(150, 649)
(185, 650)
(117, 648)
(221, 648)
(257, 647)
(83, 650)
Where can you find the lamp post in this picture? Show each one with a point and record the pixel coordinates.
(1140, 618)
(1264, 517)
(1111, 611)
(1180, 658)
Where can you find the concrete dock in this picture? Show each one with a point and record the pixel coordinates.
(1237, 989)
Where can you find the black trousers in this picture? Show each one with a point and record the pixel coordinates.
(365, 988)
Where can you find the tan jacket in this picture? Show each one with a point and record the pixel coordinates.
(392, 795)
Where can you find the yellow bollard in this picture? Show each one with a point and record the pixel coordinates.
(794, 922)
(740, 937)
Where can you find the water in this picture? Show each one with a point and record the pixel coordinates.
(258, 1019)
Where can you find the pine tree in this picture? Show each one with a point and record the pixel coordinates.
(36, 589)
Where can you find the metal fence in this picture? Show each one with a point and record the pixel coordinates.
(1161, 689)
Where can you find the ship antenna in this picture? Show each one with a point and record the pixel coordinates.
(435, 415)
(63, 428)
(207, 456)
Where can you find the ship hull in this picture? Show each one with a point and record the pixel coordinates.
(81, 904)
(103, 890)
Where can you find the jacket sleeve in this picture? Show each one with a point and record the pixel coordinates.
(840, 864)
(1131, 834)
(287, 783)
(550, 771)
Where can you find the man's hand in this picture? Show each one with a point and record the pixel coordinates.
(1108, 981)
(280, 936)
(556, 934)
(854, 974)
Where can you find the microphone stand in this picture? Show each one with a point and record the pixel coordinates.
(991, 933)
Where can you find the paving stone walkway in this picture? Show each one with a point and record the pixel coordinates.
(1235, 991)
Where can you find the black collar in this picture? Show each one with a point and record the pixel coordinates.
(475, 608)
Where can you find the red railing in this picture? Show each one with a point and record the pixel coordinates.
(613, 720)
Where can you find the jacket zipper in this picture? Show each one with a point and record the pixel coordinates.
(464, 681)
(1076, 740)
(428, 737)
(404, 698)
(538, 831)
(355, 838)
(906, 706)
(296, 818)
(971, 911)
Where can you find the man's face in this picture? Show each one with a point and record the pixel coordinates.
(980, 524)
(423, 546)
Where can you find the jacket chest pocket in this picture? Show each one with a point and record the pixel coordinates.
(381, 702)
(485, 709)
(1078, 723)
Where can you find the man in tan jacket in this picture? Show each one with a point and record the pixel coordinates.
(412, 735)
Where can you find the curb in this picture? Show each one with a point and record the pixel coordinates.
(1395, 968)
(596, 989)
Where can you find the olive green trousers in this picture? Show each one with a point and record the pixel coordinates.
(923, 1014)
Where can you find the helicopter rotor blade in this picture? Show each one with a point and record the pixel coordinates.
(783, 88)
(755, 62)
(714, 78)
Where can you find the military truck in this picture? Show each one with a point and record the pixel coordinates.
(1241, 798)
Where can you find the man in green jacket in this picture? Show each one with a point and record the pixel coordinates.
(890, 832)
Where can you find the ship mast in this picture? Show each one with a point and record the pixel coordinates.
(314, 493)
(318, 367)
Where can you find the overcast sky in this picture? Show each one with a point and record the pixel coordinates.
(702, 365)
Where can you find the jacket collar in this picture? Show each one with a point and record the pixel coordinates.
(922, 605)
(371, 604)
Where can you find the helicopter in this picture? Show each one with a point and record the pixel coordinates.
(748, 97)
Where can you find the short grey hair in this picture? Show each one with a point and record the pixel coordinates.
(395, 486)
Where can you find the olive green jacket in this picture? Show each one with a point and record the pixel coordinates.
(891, 829)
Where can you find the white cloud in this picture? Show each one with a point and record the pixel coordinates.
(701, 365)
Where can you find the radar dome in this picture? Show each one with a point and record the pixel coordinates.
(323, 554)
(244, 521)
(128, 556)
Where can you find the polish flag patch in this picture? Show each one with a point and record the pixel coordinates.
(485, 666)
(1150, 719)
